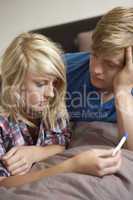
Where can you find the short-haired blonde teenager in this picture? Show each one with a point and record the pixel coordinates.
(33, 112)
(112, 56)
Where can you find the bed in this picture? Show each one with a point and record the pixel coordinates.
(75, 186)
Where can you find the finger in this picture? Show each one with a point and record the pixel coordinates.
(129, 56)
(21, 170)
(9, 154)
(16, 165)
(113, 169)
(103, 152)
(24, 172)
(111, 161)
(15, 158)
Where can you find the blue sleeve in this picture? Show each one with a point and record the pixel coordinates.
(74, 61)
(77, 67)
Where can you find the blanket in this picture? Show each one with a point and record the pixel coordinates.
(74, 186)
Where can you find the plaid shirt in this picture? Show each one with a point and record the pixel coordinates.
(16, 133)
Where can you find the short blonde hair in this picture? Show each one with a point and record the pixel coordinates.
(33, 52)
(114, 31)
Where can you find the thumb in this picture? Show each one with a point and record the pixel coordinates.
(104, 152)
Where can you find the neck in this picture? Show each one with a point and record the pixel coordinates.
(33, 117)
(34, 120)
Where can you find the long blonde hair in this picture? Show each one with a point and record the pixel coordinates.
(114, 31)
(32, 52)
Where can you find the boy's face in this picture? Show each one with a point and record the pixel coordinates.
(103, 69)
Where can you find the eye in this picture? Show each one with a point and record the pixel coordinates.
(40, 84)
(113, 65)
(110, 65)
(55, 83)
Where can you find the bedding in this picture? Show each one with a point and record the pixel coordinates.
(73, 186)
(84, 41)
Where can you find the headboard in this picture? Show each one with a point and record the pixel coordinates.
(67, 34)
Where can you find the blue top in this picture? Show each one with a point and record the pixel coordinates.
(83, 99)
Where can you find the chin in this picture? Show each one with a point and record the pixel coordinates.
(37, 109)
(97, 83)
(100, 85)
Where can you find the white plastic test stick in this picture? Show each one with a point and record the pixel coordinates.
(120, 144)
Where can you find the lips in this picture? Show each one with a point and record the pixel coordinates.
(43, 103)
(100, 79)
(97, 77)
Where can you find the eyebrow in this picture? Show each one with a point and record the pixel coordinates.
(44, 79)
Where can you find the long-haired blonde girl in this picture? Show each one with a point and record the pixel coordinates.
(33, 112)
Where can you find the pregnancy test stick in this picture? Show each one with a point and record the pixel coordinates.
(120, 144)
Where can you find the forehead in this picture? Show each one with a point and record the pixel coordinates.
(114, 58)
(31, 76)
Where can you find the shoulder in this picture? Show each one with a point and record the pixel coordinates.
(3, 118)
(76, 59)
(77, 70)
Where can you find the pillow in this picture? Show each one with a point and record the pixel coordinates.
(84, 40)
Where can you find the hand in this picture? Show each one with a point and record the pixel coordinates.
(124, 79)
(19, 160)
(98, 162)
(2, 178)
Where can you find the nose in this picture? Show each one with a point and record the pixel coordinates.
(49, 91)
(97, 67)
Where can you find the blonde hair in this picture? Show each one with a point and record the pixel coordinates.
(32, 52)
(114, 31)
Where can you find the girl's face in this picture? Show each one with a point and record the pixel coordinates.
(38, 90)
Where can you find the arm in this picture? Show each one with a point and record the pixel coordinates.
(123, 85)
(20, 159)
(2, 177)
(98, 162)
(124, 108)
(40, 153)
(15, 181)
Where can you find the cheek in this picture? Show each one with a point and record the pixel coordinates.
(110, 77)
(32, 98)
(113, 73)
(91, 64)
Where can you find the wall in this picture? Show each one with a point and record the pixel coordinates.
(23, 15)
